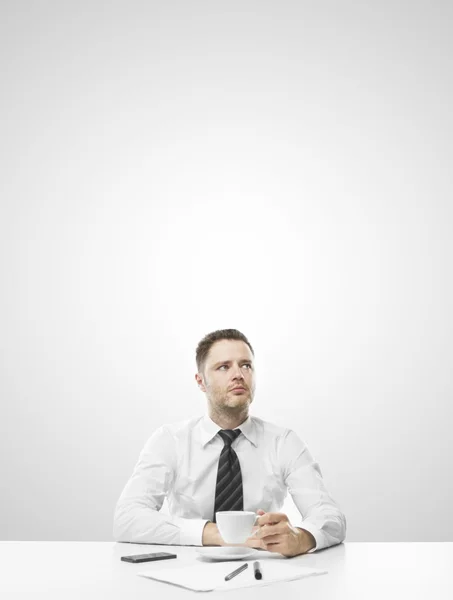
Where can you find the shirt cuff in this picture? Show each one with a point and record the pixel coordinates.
(316, 533)
(191, 530)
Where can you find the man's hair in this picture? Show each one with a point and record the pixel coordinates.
(211, 338)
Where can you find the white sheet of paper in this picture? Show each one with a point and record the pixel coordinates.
(211, 576)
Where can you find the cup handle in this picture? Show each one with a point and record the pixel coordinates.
(254, 533)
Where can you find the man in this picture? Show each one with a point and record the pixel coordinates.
(227, 460)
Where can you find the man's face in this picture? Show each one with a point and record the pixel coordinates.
(228, 377)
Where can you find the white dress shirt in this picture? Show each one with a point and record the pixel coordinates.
(180, 462)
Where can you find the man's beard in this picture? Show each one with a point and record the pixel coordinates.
(223, 407)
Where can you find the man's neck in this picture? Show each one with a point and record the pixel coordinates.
(228, 420)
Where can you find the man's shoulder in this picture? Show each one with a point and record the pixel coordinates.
(269, 428)
(179, 428)
(278, 436)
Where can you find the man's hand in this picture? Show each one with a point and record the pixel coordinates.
(276, 534)
(211, 535)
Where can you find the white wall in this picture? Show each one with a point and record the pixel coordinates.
(170, 168)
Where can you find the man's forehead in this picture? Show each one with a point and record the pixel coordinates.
(229, 350)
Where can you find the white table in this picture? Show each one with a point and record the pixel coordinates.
(88, 570)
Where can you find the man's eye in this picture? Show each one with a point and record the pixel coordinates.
(244, 365)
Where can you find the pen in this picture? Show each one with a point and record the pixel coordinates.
(236, 572)
(257, 569)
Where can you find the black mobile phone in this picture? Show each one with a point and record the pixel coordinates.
(139, 558)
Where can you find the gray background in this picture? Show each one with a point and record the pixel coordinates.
(170, 168)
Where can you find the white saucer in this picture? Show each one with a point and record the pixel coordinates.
(225, 552)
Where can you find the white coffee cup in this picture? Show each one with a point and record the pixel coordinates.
(235, 526)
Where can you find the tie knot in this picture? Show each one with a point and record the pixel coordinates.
(229, 435)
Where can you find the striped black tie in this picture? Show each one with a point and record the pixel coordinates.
(228, 491)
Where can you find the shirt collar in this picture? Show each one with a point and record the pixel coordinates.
(209, 430)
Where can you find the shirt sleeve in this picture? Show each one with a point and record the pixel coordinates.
(321, 516)
(137, 518)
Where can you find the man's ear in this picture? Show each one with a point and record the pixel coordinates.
(200, 382)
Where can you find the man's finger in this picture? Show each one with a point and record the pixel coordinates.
(273, 539)
(273, 547)
(271, 518)
(267, 530)
(254, 543)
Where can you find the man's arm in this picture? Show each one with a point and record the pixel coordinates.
(137, 518)
(321, 516)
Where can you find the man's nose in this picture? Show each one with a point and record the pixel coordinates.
(237, 372)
